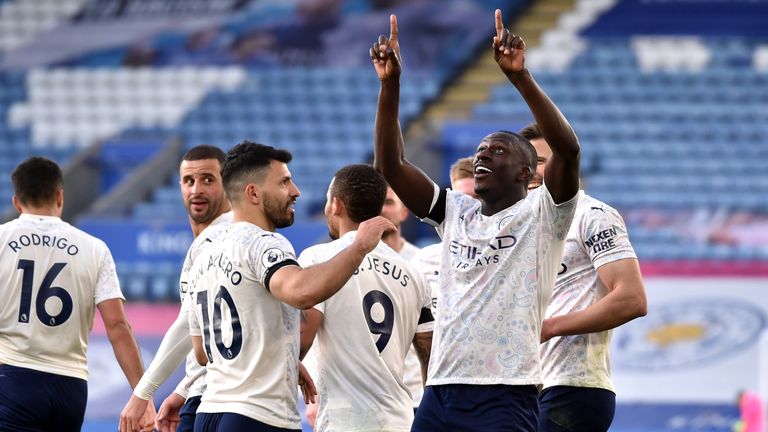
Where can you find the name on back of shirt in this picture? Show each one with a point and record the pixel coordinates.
(219, 262)
(375, 264)
(44, 240)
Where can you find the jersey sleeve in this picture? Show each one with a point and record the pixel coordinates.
(310, 257)
(107, 284)
(271, 253)
(436, 214)
(194, 321)
(604, 235)
(426, 321)
(172, 351)
(560, 215)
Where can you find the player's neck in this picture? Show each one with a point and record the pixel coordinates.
(394, 240)
(198, 227)
(42, 211)
(492, 204)
(346, 225)
(257, 218)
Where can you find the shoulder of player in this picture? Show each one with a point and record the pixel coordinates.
(428, 251)
(590, 207)
(95, 242)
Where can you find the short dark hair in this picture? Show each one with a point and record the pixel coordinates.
(248, 161)
(518, 143)
(362, 189)
(531, 132)
(36, 181)
(204, 151)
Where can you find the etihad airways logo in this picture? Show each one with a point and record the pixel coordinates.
(472, 253)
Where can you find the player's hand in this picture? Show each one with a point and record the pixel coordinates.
(370, 231)
(308, 389)
(147, 421)
(508, 49)
(311, 413)
(385, 54)
(168, 416)
(132, 415)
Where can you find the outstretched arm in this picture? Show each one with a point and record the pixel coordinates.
(303, 288)
(625, 302)
(409, 183)
(562, 172)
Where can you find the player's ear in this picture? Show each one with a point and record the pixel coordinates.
(60, 198)
(252, 193)
(17, 204)
(525, 174)
(337, 206)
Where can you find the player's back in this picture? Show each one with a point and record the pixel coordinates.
(50, 277)
(251, 338)
(367, 329)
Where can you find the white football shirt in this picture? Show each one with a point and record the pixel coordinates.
(251, 337)
(53, 277)
(412, 372)
(176, 340)
(496, 277)
(427, 263)
(597, 236)
(367, 329)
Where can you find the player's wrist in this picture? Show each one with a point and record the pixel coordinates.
(517, 77)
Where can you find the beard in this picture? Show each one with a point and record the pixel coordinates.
(279, 214)
(206, 216)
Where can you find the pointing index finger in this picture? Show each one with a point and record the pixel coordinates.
(499, 23)
(392, 27)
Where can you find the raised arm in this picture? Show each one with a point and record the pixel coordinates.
(303, 288)
(562, 173)
(413, 187)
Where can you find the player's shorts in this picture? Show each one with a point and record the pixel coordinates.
(35, 401)
(488, 408)
(231, 422)
(576, 409)
(187, 414)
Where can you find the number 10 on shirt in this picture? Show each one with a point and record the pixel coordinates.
(223, 296)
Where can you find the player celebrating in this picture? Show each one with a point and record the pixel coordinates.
(501, 253)
(427, 260)
(247, 288)
(208, 210)
(53, 278)
(598, 288)
(382, 309)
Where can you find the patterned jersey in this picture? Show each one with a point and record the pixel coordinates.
(367, 329)
(176, 339)
(53, 276)
(597, 236)
(251, 338)
(496, 276)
